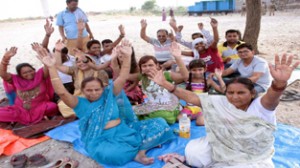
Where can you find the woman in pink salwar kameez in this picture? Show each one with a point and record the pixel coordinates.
(33, 90)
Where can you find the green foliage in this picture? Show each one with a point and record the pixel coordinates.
(149, 5)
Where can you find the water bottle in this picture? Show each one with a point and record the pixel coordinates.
(184, 126)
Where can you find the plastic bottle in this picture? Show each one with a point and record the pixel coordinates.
(184, 126)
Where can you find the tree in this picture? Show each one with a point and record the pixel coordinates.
(149, 5)
(252, 23)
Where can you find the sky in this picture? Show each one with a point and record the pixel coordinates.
(35, 8)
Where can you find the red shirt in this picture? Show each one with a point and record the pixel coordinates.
(212, 59)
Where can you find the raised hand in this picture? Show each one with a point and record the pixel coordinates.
(78, 53)
(46, 58)
(122, 30)
(172, 23)
(283, 68)
(157, 76)
(11, 52)
(143, 23)
(175, 49)
(35, 46)
(59, 45)
(49, 29)
(213, 22)
(115, 52)
(218, 72)
(126, 49)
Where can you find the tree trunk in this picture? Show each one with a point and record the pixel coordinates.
(252, 23)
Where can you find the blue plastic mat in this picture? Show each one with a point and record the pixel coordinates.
(287, 145)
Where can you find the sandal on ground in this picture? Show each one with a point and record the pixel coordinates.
(57, 164)
(37, 160)
(18, 161)
(173, 160)
(71, 164)
(290, 95)
(175, 163)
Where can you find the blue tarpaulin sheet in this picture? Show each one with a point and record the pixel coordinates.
(287, 145)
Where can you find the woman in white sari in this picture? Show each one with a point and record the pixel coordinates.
(239, 126)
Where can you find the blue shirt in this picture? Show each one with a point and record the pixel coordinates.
(69, 19)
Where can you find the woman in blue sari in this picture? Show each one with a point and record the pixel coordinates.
(110, 130)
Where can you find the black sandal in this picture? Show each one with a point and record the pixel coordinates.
(37, 160)
(18, 161)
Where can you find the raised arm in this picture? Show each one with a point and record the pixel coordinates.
(188, 96)
(59, 45)
(221, 87)
(49, 61)
(214, 25)
(143, 31)
(281, 73)
(117, 41)
(206, 34)
(35, 46)
(49, 29)
(183, 74)
(5, 62)
(178, 35)
(125, 53)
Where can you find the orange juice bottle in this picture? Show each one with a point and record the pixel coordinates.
(184, 126)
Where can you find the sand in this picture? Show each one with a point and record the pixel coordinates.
(279, 34)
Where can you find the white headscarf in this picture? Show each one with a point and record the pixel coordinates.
(196, 41)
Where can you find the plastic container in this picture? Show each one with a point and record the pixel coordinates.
(185, 126)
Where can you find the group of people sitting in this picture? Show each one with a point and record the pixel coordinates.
(125, 106)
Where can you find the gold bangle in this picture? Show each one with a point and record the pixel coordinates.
(54, 79)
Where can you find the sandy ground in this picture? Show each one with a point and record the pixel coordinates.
(278, 34)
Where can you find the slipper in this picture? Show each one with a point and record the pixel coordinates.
(167, 157)
(290, 95)
(57, 164)
(37, 160)
(71, 164)
(173, 160)
(18, 161)
(175, 163)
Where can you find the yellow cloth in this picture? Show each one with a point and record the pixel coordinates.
(222, 51)
(194, 109)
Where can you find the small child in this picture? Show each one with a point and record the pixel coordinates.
(198, 83)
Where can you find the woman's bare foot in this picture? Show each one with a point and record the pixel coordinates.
(142, 158)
